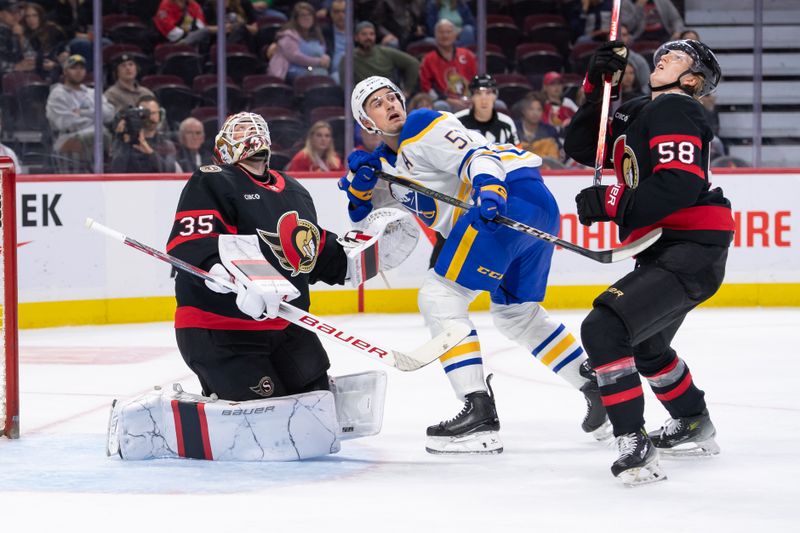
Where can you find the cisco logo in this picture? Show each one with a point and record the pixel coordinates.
(252, 196)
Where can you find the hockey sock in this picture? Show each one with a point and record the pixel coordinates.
(464, 366)
(674, 387)
(621, 393)
(549, 341)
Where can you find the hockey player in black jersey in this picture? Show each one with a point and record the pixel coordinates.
(234, 352)
(658, 147)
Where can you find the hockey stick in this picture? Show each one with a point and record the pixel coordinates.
(425, 354)
(602, 256)
(600, 155)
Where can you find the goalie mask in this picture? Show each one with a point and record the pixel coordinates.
(362, 91)
(243, 136)
(704, 63)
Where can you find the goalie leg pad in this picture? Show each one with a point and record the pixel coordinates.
(169, 424)
(359, 403)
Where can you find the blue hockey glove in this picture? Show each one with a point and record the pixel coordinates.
(491, 195)
(362, 158)
(358, 208)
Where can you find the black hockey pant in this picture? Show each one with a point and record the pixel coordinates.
(250, 365)
(632, 324)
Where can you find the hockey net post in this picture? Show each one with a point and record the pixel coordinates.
(9, 360)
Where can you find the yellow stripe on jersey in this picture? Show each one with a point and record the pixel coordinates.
(463, 195)
(421, 134)
(461, 349)
(476, 153)
(461, 253)
(557, 350)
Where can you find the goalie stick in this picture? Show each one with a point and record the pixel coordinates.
(600, 155)
(425, 354)
(601, 256)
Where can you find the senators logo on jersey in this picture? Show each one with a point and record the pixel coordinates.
(295, 243)
(625, 165)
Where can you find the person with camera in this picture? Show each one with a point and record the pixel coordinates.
(139, 147)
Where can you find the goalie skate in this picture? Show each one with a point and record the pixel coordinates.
(638, 460)
(474, 430)
(691, 436)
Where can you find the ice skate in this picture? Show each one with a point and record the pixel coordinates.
(691, 436)
(474, 430)
(596, 420)
(637, 463)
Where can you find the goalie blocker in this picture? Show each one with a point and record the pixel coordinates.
(173, 423)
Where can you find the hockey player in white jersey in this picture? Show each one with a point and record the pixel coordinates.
(435, 149)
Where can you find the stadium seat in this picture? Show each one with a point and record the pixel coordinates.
(278, 160)
(267, 29)
(579, 56)
(164, 50)
(287, 132)
(523, 8)
(324, 113)
(270, 112)
(130, 32)
(272, 94)
(505, 35)
(419, 49)
(187, 65)
(205, 86)
(538, 58)
(557, 34)
(253, 81)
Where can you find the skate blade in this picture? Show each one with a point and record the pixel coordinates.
(705, 448)
(644, 475)
(603, 433)
(484, 442)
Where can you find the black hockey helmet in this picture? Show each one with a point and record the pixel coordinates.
(482, 81)
(704, 62)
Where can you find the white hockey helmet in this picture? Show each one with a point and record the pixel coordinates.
(242, 136)
(362, 91)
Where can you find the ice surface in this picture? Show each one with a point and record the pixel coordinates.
(551, 477)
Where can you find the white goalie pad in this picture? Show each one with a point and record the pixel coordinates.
(242, 257)
(164, 424)
(385, 239)
(173, 423)
(359, 403)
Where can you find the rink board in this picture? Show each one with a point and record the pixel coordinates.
(69, 275)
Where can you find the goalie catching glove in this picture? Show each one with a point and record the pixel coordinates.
(260, 288)
(388, 237)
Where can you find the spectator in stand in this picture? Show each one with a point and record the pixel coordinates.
(139, 147)
(534, 135)
(457, 12)
(482, 117)
(335, 37)
(447, 71)
(403, 20)
(300, 47)
(75, 18)
(629, 85)
(240, 21)
(558, 109)
(595, 19)
(689, 33)
(11, 58)
(419, 101)
(653, 20)
(318, 155)
(640, 65)
(126, 90)
(43, 40)
(264, 8)
(183, 21)
(70, 111)
(5, 151)
(191, 153)
(370, 59)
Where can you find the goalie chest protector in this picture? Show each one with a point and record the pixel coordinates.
(228, 200)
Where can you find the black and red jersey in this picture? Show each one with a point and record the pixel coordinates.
(659, 149)
(228, 200)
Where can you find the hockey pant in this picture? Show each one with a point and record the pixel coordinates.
(632, 324)
(247, 365)
(172, 424)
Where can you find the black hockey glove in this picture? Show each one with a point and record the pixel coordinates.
(603, 202)
(609, 60)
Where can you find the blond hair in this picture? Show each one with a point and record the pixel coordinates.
(328, 160)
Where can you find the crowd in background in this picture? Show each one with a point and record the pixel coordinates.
(285, 61)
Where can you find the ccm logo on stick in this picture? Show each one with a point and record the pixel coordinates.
(339, 334)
